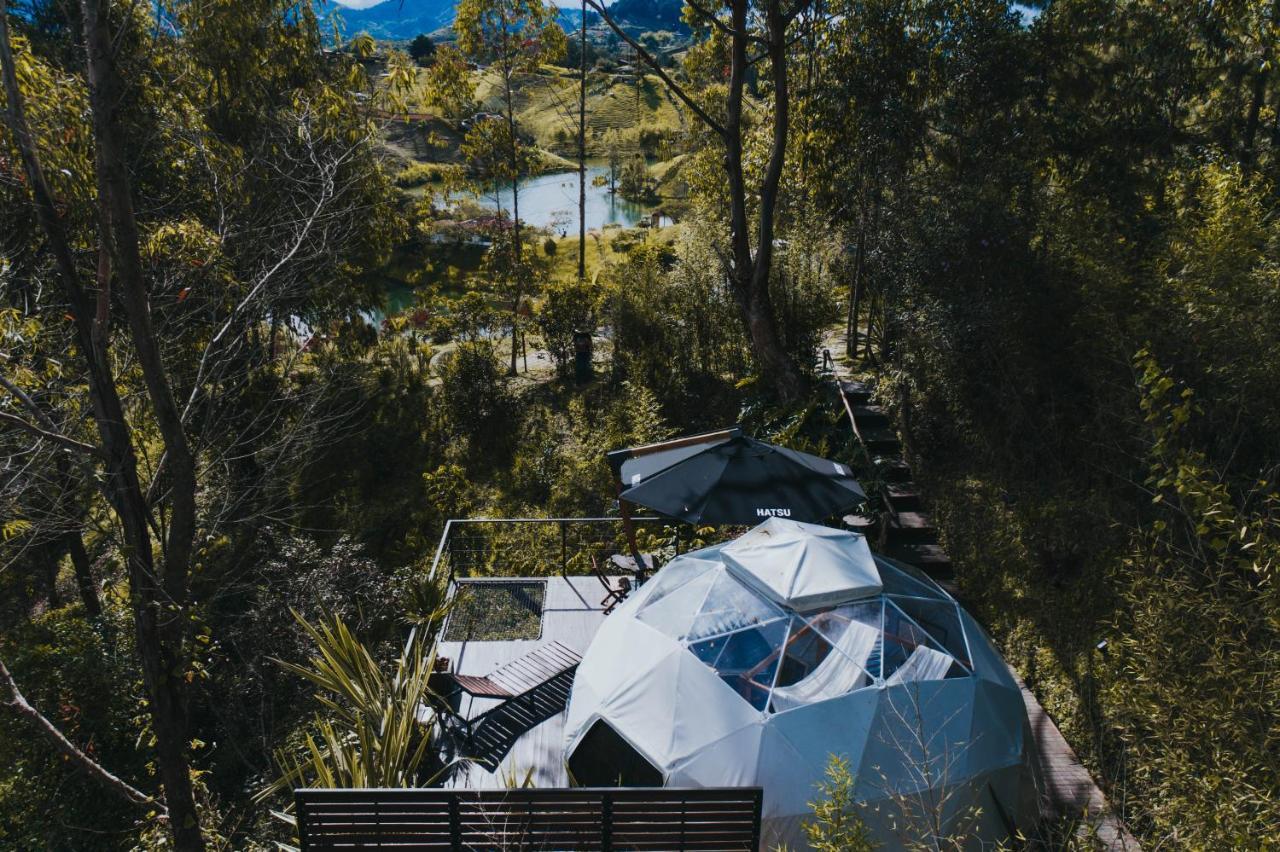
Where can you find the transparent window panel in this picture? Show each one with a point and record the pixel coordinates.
(674, 612)
(901, 579)
(749, 661)
(709, 650)
(861, 617)
(730, 606)
(675, 575)
(942, 622)
(814, 669)
(902, 636)
(923, 663)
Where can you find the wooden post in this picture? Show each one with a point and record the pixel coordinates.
(629, 530)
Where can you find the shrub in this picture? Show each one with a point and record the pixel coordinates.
(478, 408)
(567, 307)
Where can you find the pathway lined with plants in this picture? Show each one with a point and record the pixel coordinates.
(907, 533)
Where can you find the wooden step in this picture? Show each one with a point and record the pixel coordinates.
(892, 468)
(931, 558)
(903, 496)
(867, 416)
(916, 521)
(880, 440)
(856, 392)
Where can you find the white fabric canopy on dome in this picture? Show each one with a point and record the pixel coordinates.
(804, 566)
(755, 661)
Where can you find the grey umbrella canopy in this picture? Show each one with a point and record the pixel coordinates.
(730, 478)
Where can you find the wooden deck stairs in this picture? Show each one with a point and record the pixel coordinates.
(907, 533)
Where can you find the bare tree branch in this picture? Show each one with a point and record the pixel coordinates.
(676, 88)
(70, 443)
(69, 749)
(710, 17)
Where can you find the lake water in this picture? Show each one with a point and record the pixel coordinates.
(551, 202)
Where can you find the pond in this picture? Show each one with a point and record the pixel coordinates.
(551, 202)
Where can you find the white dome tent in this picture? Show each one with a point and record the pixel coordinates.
(752, 662)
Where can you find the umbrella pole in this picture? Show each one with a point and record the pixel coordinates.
(629, 530)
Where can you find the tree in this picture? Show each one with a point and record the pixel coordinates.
(196, 264)
(754, 32)
(422, 49)
(514, 36)
(616, 153)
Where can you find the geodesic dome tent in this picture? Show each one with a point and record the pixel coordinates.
(753, 662)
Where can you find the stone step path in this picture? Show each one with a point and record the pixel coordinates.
(909, 535)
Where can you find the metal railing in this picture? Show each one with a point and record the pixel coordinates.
(538, 547)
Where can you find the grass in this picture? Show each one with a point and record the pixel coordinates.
(547, 102)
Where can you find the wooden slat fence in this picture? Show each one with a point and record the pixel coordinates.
(715, 819)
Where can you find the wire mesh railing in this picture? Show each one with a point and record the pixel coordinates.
(540, 547)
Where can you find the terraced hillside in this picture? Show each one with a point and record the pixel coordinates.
(547, 104)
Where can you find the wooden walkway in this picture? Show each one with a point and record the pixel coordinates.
(908, 534)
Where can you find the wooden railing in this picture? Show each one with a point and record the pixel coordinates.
(724, 819)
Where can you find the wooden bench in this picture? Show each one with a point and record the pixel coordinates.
(715, 819)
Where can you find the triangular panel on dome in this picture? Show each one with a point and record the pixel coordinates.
(747, 660)
(920, 738)
(941, 619)
(730, 606)
(673, 612)
(901, 578)
(731, 761)
(815, 668)
(804, 566)
(909, 647)
(674, 575)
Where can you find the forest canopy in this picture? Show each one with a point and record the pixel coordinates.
(1049, 238)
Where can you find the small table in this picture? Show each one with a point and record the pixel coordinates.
(627, 565)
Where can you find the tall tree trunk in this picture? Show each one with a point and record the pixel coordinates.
(517, 259)
(748, 273)
(855, 290)
(122, 486)
(47, 558)
(775, 364)
(159, 601)
(85, 583)
(582, 147)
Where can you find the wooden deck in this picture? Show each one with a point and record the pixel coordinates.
(530, 737)
(1069, 789)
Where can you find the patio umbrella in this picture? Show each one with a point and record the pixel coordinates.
(730, 478)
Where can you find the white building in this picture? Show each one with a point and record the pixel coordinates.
(752, 662)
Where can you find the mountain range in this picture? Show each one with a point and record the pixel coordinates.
(398, 20)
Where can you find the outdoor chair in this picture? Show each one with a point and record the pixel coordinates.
(513, 681)
(616, 591)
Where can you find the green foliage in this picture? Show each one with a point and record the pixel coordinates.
(836, 825)
(368, 734)
(675, 327)
(84, 682)
(417, 174)
(422, 49)
(477, 407)
(567, 308)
